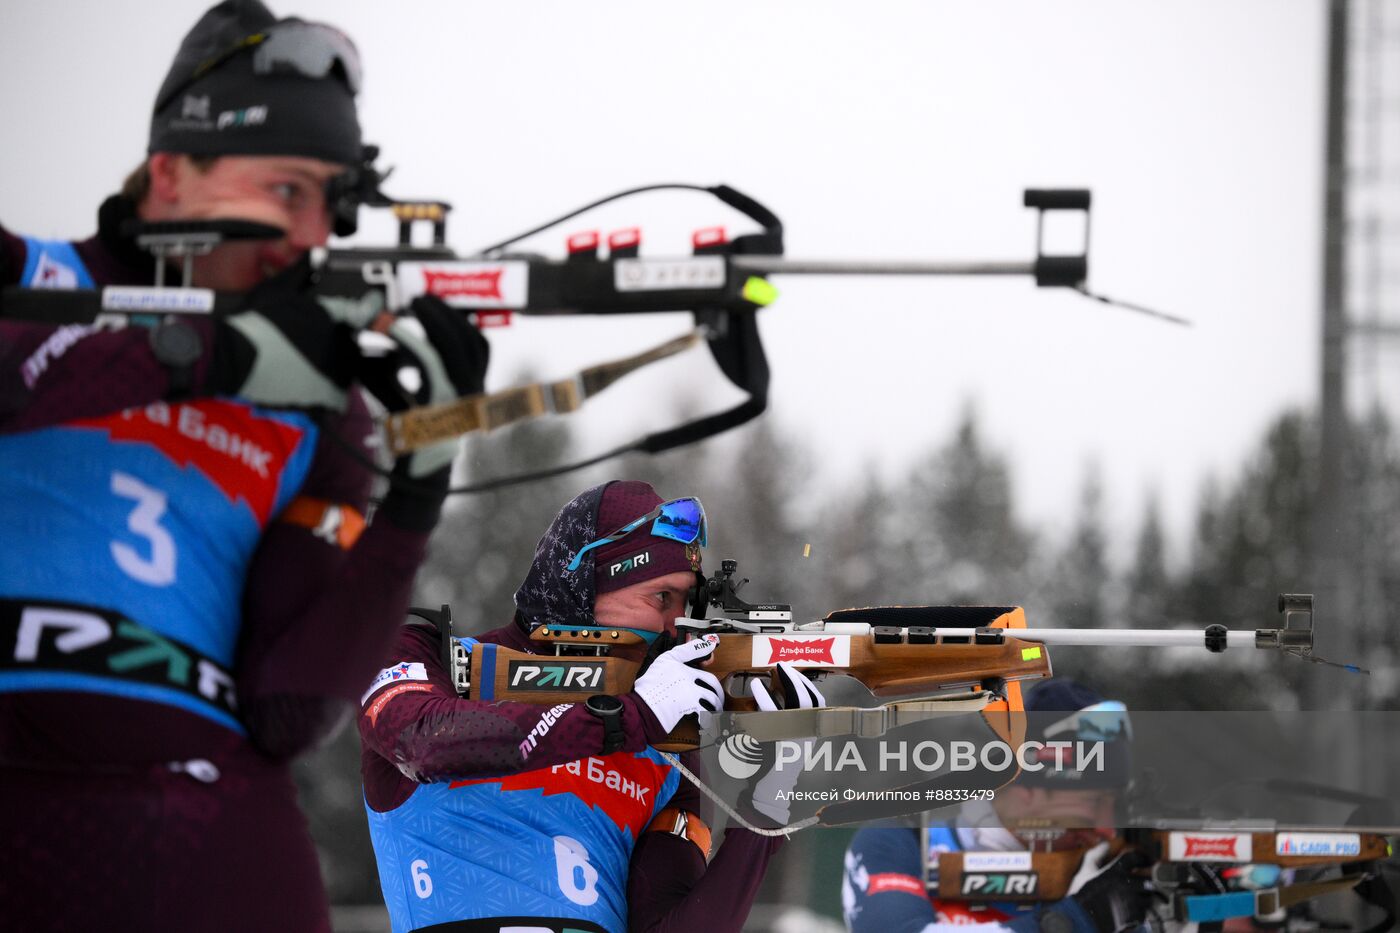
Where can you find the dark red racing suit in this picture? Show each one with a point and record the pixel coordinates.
(418, 732)
(132, 799)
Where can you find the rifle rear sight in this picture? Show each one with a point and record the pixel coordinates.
(722, 590)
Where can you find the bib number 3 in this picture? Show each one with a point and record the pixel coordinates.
(157, 568)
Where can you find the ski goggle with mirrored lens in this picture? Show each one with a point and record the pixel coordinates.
(680, 520)
(1103, 722)
(311, 50)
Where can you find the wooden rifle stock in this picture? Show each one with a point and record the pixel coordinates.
(889, 661)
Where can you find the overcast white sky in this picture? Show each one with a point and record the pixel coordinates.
(878, 129)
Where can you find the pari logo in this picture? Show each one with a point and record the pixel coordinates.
(630, 564)
(569, 676)
(831, 651)
(1000, 884)
(248, 116)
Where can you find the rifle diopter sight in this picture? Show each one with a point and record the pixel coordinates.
(721, 591)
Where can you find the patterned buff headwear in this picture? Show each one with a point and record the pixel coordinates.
(552, 595)
(246, 83)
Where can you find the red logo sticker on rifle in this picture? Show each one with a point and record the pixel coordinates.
(467, 284)
(830, 651)
(463, 284)
(1210, 847)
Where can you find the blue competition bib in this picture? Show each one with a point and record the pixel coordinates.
(554, 842)
(150, 515)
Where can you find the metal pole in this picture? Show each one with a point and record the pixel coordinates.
(1327, 560)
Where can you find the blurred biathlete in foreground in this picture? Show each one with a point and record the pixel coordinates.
(891, 874)
(494, 815)
(183, 527)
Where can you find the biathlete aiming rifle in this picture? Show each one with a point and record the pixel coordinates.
(722, 284)
(1202, 870)
(934, 658)
(1200, 873)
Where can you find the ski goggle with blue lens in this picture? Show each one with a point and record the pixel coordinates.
(680, 520)
(1103, 722)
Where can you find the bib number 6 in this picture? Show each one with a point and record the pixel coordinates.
(578, 879)
(422, 881)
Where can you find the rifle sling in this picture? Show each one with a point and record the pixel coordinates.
(1292, 894)
(861, 722)
(418, 427)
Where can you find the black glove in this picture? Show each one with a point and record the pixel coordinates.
(429, 356)
(1115, 900)
(769, 798)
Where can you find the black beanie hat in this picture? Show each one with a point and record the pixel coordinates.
(214, 102)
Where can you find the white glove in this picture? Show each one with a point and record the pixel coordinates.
(798, 691)
(1096, 862)
(771, 793)
(672, 690)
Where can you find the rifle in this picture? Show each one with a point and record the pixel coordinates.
(933, 659)
(721, 284)
(1202, 872)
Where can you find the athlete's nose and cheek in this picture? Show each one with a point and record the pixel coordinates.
(651, 606)
(287, 194)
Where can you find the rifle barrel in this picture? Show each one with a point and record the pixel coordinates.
(781, 265)
(1113, 637)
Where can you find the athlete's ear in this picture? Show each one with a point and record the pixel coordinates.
(164, 169)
